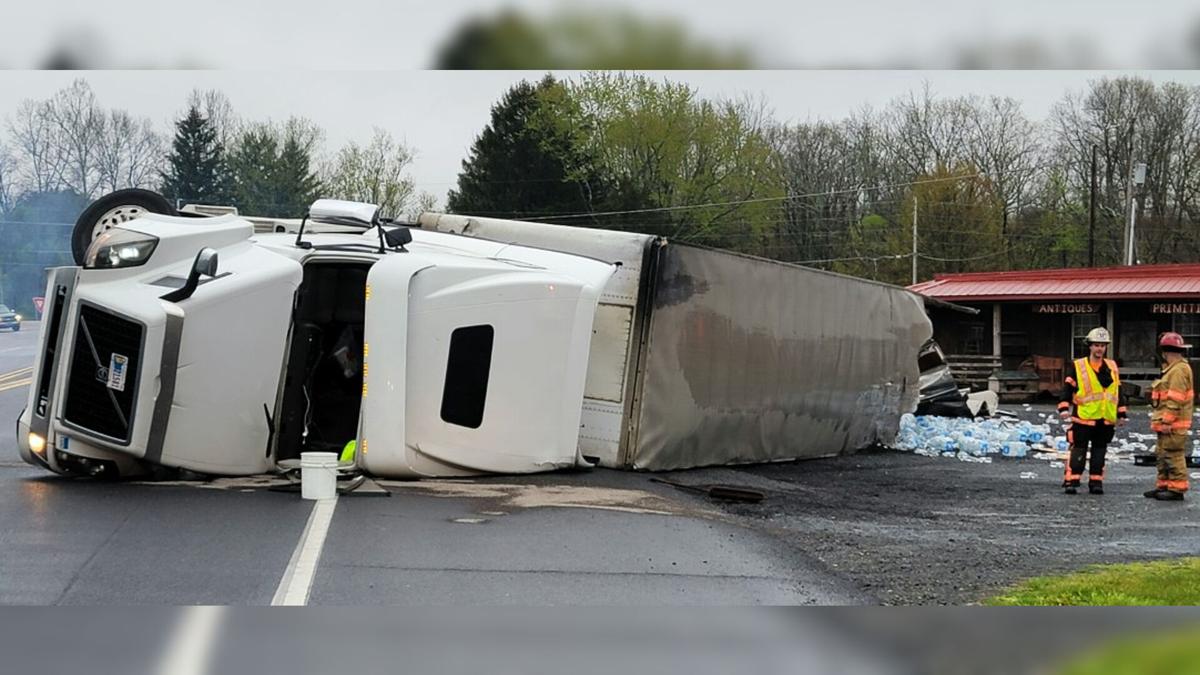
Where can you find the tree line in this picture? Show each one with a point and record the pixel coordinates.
(59, 153)
(987, 186)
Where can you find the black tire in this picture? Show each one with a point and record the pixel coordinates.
(16, 328)
(133, 199)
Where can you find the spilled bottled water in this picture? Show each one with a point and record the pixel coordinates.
(973, 440)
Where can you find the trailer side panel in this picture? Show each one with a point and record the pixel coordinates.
(751, 360)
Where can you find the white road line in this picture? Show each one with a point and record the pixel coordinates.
(191, 645)
(297, 579)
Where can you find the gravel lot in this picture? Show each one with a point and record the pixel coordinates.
(907, 529)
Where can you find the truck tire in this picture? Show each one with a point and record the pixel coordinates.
(110, 211)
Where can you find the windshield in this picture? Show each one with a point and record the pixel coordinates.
(4, 309)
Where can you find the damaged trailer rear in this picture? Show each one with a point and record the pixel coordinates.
(702, 357)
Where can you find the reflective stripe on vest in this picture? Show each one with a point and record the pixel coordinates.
(1093, 402)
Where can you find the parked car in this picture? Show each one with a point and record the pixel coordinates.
(9, 319)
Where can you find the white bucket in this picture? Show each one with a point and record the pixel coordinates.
(318, 475)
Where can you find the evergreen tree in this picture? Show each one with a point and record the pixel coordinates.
(196, 168)
(517, 167)
(296, 181)
(272, 169)
(253, 163)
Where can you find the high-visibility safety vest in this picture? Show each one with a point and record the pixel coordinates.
(1093, 402)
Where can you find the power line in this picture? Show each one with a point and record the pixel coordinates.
(759, 200)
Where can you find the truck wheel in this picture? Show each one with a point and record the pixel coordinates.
(111, 211)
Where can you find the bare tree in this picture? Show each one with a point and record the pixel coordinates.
(925, 133)
(132, 152)
(1129, 121)
(818, 171)
(33, 136)
(1005, 146)
(79, 134)
(373, 173)
(8, 174)
(216, 108)
(425, 201)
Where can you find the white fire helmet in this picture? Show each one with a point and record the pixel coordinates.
(1098, 336)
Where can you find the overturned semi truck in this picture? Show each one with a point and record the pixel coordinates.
(223, 344)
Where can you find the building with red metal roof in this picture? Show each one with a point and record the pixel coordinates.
(1035, 320)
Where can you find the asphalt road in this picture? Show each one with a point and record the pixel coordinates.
(876, 528)
(549, 540)
(913, 530)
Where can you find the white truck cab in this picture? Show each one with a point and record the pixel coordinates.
(211, 345)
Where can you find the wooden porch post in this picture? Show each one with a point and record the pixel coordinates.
(996, 329)
(1112, 329)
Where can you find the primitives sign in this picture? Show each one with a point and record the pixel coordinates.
(1175, 308)
(1080, 308)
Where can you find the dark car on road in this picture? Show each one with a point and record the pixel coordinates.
(9, 319)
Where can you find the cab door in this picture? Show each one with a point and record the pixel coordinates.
(476, 365)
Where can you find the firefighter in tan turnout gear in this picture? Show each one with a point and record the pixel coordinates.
(1171, 398)
(1092, 401)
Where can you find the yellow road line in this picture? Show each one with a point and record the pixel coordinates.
(19, 371)
(15, 385)
(16, 374)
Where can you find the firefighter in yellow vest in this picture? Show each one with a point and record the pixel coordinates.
(1092, 402)
(1171, 399)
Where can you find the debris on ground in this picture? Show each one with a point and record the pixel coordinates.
(979, 440)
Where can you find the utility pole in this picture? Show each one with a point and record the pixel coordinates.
(1092, 215)
(1137, 177)
(914, 250)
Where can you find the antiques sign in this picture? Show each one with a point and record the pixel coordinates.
(1175, 308)
(1060, 308)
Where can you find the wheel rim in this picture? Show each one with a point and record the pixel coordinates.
(114, 217)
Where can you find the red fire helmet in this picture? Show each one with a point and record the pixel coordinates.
(1172, 341)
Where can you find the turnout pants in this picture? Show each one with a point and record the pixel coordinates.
(1172, 462)
(1082, 435)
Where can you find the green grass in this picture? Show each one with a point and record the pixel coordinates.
(1171, 654)
(1163, 582)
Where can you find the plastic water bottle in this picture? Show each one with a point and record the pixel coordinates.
(971, 446)
(1015, 450)
(1061, 445)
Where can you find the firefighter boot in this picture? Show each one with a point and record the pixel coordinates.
(1095, 487)
(1152, 494)
(1071, 487)
(1169, 496)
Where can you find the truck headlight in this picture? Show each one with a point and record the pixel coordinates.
(37, 443)
(119, 248)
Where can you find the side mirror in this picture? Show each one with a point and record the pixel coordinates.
(206, 264)
(398, 237)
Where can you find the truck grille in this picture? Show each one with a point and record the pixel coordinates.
(99, 398)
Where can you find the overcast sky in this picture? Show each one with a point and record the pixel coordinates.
(395, 34)
(438, 113)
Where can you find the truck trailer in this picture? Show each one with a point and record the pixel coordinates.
(204, 340)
